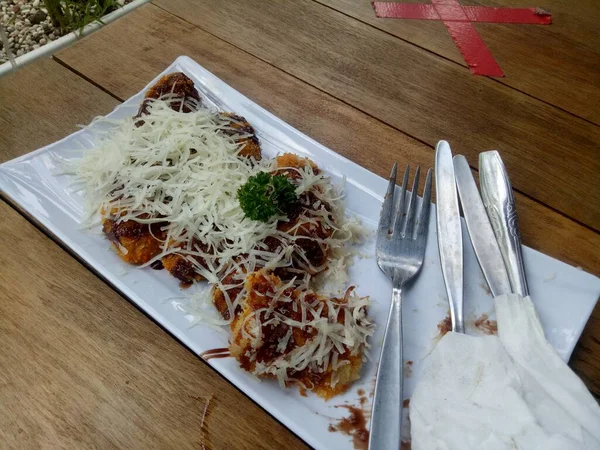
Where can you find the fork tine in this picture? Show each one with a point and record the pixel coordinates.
(387, 208)
(400, 258)
(400, 208)
(412, 206)
(423, 222)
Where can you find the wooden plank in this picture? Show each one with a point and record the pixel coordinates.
(124, 71)
(81, 366)
(558, 64)
(60, 100)
(551, 155)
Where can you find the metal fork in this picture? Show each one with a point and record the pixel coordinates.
(400, 248)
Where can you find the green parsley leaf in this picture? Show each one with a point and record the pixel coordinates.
(265, 195)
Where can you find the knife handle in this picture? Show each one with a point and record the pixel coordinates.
(499, 202)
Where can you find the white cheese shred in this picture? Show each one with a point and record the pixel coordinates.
(182, 171)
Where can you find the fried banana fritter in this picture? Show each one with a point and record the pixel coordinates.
(234, 283)
(306, 246)
(176, 86)
(133, 241)
(314, 251)
(182, 268)
(136, 243)
(261, 345)
(237, 125)
(287, 162)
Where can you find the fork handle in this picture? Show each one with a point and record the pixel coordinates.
(386, 422)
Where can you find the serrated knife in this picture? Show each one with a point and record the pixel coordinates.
(480, 230)
(449, 233)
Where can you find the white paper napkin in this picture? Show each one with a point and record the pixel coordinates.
(510, 391)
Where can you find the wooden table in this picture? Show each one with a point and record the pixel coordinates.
(81, 367)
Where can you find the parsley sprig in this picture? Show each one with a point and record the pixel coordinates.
(264, 196)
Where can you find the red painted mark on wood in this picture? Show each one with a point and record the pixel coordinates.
(459, 20)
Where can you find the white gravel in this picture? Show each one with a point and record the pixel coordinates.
(27, 26)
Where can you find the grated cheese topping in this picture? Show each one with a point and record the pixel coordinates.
(177, 170)
(182, 171)
(335, 329)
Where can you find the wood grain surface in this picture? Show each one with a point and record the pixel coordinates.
(33, 118)
(550, 154)
(566, 54)
(83, 368)
(80, 367)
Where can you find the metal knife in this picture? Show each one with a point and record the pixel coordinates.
(499, 202)
(480, 230)
(449, 233)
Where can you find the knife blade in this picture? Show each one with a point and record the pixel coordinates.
(449, 233)
(499, 203)
(480, 230)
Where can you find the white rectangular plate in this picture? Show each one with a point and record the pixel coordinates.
(564, 295)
